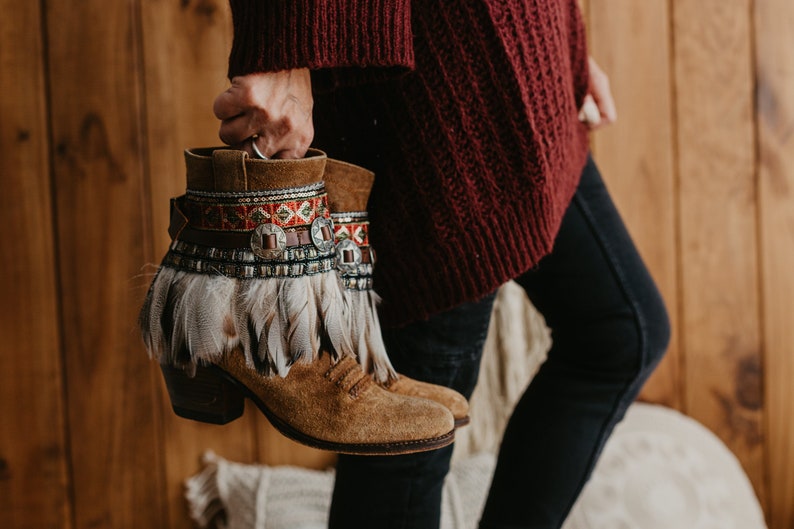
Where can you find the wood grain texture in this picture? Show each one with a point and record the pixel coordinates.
(95, 79)
(629, 41)
(185, 46)
(718, 260)
(33, 461)
(774, 20)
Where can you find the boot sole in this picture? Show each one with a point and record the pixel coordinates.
(216, 397)
(462, 422)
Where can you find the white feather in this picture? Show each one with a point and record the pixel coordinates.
(150, 318)
(300, 312)
(382, 369)
(356, 321)
(282, 313)
(257, 306)
(330, 299)
(204, 321)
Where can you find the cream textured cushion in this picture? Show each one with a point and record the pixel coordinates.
(663, 470)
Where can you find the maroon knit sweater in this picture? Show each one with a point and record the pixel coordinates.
(465, 109)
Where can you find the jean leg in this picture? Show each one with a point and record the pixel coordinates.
(404, 492)
(609, 329)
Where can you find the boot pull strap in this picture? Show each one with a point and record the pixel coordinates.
(228, 167)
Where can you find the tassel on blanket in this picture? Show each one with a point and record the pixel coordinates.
(202, 492)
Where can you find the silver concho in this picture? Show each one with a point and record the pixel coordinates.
(348, 256)
(322, 233)
(268, 241)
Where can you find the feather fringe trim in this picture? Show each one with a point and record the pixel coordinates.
(364, 327)
(188, 318)
(191, 318)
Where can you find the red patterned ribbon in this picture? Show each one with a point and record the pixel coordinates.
(237, 217)
(358, 232)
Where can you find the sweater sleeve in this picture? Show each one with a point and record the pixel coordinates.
(272, 35)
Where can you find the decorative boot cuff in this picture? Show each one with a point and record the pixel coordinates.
(247, 235)
(251, 265)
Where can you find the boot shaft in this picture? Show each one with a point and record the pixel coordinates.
(226, 170)
(348, 186)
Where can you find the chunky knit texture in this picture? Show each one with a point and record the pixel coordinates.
(467, 113)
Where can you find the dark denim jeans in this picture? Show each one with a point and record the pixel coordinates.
(609, 329)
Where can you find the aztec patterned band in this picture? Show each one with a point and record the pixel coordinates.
(355, 258)
(246, 235)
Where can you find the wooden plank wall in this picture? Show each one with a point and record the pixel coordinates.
(97, 101)
(34, 484)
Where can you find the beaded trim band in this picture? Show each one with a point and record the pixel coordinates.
(267, 195)
(243, 264)
(356, 283)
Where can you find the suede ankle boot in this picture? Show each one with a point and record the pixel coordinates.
(247, 304)
(348, 188)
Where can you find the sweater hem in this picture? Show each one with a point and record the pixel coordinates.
(288, 34)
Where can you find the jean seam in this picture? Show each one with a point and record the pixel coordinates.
(616, 269)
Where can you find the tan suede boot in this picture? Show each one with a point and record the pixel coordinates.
(348, 189)
(247, 304)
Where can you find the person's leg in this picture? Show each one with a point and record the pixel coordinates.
(404, 492)
(609, 330)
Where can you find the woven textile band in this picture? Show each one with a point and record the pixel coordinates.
(246, 211)
(353, 226)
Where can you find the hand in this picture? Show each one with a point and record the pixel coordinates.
(598, 108)
(273, 109)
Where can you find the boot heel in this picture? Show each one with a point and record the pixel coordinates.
(205, 397)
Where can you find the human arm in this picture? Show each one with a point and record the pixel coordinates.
(283, 49)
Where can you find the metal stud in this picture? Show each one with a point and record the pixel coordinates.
(348, 256)
(268, 241)
(322, 232)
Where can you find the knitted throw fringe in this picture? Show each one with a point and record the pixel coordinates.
(190, 318)
(203, 495)
(365, 333)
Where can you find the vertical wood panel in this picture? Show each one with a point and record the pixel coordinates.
(185, 49)
(186, 46)
(775, 107)
(719, 269)
(95, 79)
(33, 466)
(629, 40)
